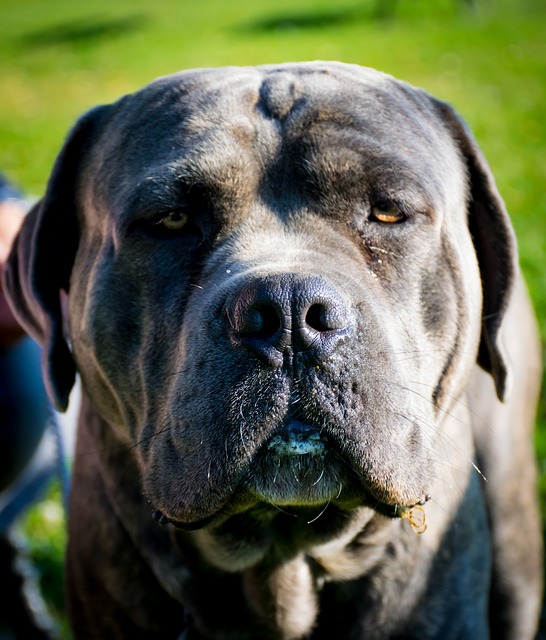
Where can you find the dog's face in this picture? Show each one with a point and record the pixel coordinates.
(275, 295)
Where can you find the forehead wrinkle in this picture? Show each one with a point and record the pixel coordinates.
(210, 169)
(218, 152)
(168, 183)
(356, 170)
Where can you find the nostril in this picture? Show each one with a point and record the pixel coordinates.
(258, 323)
(262, 321)
(326, 317)
(316, 318)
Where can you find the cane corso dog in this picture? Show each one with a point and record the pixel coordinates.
(309, 364)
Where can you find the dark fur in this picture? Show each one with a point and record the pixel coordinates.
(282, 380)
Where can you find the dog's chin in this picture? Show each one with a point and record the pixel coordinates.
(300, 470)
(301, 480)
(308, 486)
(289, 493)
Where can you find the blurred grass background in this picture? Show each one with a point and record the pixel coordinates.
(486, 57)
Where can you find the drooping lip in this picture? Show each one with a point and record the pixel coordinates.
(162, 519)
(347, 491)
(294, 446)
(398, 510)
(390, 511)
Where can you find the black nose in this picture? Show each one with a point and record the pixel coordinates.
(287, 314)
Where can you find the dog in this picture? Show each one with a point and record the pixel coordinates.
(309, 363)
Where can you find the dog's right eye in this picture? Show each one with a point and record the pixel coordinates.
(387, 212)
(174, 221)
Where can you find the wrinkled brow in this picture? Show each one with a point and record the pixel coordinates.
(189, 182)
(163, 189)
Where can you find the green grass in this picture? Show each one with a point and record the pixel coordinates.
(60, 57)
(44, 531)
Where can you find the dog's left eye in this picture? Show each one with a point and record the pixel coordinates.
(174, 221)
(384, 211)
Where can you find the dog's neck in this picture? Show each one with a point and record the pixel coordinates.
(283, 588)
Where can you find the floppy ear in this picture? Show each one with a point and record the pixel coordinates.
(496, 249)
(41, 259)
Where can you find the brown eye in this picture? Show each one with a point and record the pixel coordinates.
(387, 212)
(175, 221)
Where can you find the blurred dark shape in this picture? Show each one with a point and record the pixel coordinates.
(364, 11)
(27, 462)
(23, 611)
(85, 29)
(316, 20)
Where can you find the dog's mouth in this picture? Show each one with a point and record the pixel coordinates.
(300, 467)
(299, 470)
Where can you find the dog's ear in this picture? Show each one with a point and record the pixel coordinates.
(495, 245)
(40, 261)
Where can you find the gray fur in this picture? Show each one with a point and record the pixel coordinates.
(287, 379)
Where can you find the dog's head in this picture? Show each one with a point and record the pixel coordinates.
(278, 279)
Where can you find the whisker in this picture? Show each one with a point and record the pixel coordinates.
(479, 471)
(318, 479)
(287, 513)
(455, 399)
(321, 513)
